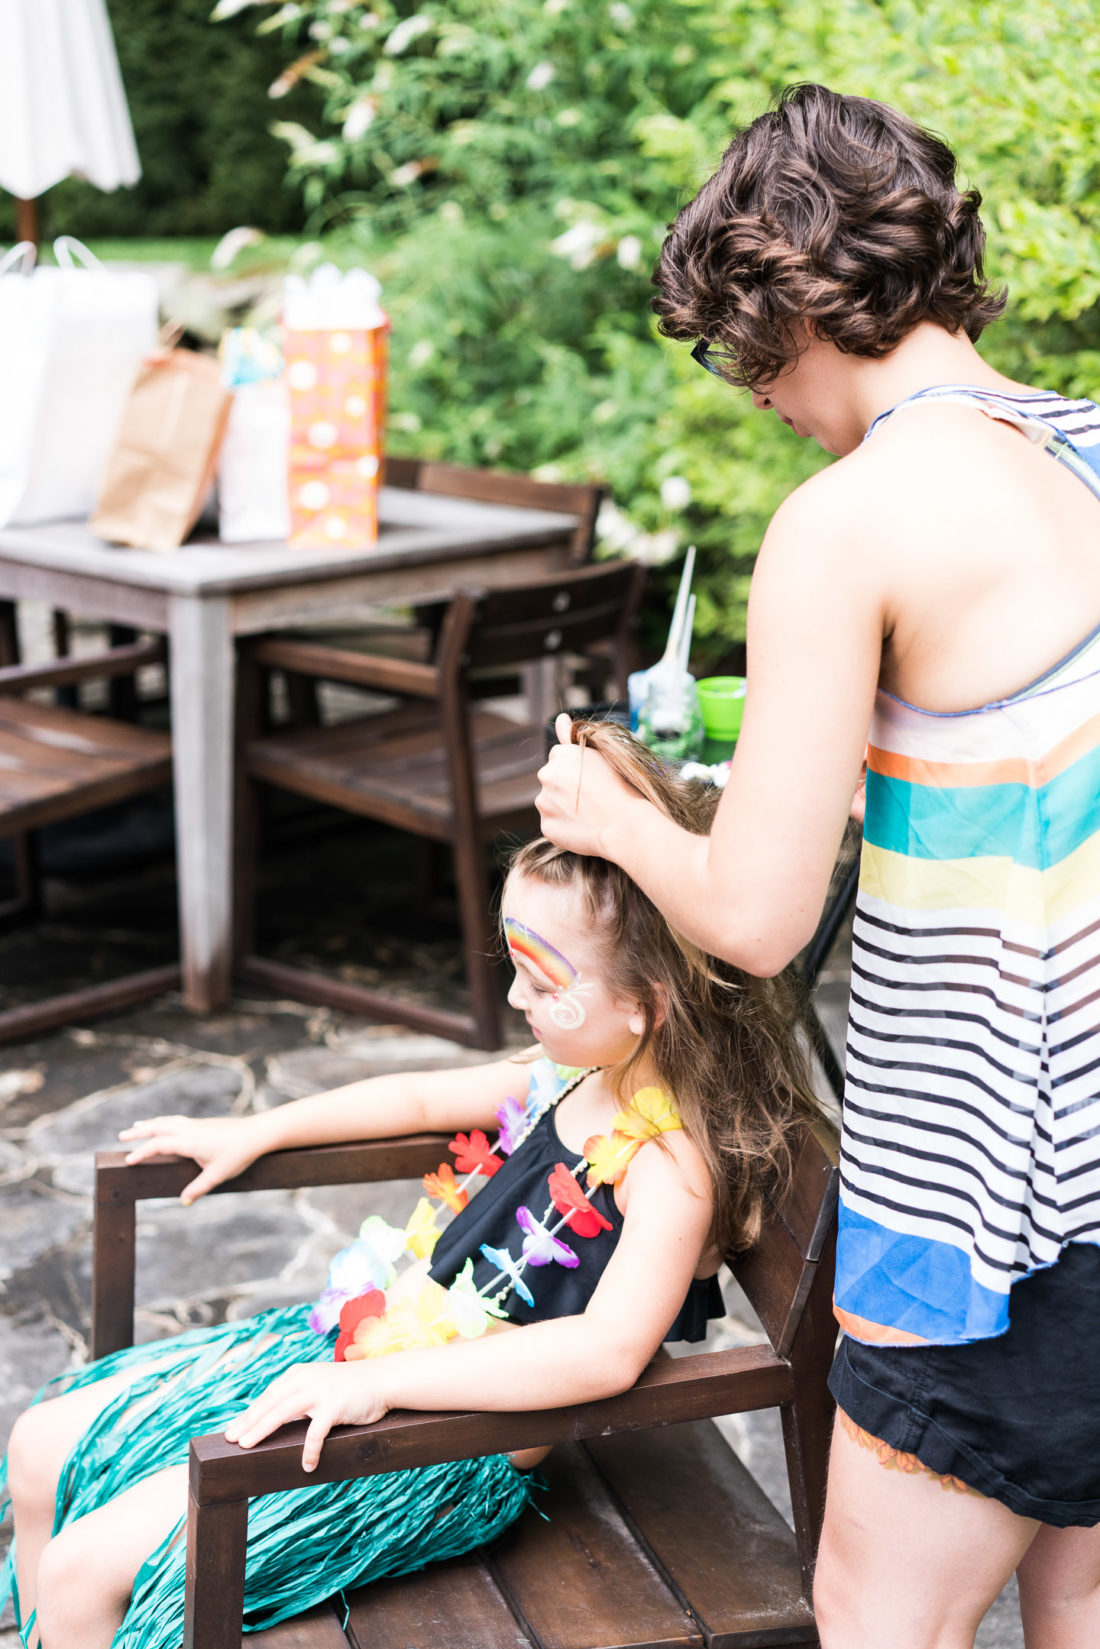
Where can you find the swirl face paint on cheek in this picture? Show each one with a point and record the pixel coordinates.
(566, 1011)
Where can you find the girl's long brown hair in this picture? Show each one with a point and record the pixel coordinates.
(727, 1045)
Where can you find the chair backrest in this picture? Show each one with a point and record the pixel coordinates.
(581, 499)
(778, 1271)
(563, 613)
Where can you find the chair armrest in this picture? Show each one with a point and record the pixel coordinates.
(116, 661)
(307, 658)
(670, 1390)
(119, 1187)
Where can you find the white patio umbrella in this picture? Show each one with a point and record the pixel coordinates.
(62, 105)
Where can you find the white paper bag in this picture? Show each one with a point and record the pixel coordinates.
(71, 340)
(252, 464)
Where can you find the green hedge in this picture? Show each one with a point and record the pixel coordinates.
(508, 168)
(198, 96)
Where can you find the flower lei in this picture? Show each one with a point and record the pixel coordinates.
(355, 1296)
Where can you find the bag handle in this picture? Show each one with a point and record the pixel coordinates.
(23, 253)
(73, 254)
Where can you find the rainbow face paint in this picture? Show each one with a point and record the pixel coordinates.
(525, 942)
(566, 1010)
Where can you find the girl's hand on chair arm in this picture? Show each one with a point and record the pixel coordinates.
(325, 1394)
(223, 1147)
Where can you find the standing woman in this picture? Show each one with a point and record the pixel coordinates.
(933, 597)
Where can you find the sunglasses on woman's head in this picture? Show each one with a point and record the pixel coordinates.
(712, 358)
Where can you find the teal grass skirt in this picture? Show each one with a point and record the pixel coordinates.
(303, 1544)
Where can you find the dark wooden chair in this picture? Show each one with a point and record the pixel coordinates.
(439, 766)
(651, 1533)
(415, 637)
(56, 763)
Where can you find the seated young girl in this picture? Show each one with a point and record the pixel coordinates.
(635, 1142)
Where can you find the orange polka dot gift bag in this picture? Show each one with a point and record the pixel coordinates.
(335, 343)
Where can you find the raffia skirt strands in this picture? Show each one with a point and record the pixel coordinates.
(304, 1544)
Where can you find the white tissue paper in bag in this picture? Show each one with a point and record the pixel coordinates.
(252, 465)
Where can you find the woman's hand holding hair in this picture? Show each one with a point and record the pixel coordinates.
(223, 1147)
(582, 799)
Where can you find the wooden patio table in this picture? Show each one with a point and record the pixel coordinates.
(205, 594)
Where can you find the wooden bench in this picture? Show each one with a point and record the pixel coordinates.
(651, 1532)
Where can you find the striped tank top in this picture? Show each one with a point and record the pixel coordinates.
(971, 1136)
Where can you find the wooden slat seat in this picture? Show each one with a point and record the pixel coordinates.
(399, 770)
(650, 1533)
(55, 764)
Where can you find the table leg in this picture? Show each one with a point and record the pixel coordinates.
(202, 685)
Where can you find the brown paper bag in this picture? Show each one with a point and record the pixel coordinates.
(162, 467)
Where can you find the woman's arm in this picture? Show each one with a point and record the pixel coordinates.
(376, 1108)
(542, 1365)
(753, 890)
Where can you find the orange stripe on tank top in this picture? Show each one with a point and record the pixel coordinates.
(1016, 770)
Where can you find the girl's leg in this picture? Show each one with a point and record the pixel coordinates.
(41, 1441)
(908, 1562)
(86, 1573)
(1060, 1589)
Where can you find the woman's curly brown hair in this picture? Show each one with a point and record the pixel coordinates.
(829, 212)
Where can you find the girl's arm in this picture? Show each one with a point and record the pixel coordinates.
(752, 891)
(375, 1108)
(542, 1365)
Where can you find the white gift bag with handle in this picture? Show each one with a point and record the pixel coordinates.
(71, 339)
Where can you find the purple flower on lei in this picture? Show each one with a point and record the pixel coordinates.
(512, 1116)
(540, 1246)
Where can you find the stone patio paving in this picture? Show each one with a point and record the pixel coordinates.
(64, 1096)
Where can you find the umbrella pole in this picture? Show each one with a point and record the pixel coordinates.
(26, 220)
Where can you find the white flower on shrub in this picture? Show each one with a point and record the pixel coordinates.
(540, 77)
(656, 548)
(628, 253)
(554, 8)
(612, 527)
(578, 244)
(359, 117)
(408, 30)
(675, 492)
(621, 14)
(617, 533)
(421, 352)
(403, 175)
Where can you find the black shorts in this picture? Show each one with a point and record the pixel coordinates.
(1017, 1417)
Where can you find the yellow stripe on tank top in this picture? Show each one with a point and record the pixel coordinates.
(1039, 898)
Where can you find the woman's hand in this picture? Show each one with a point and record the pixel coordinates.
(581, 796)
(223, 1147)
(327, 1394)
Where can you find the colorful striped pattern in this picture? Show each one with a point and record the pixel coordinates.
(972, 1101)
(524, 941)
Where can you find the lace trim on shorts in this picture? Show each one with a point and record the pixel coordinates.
(896, 1460)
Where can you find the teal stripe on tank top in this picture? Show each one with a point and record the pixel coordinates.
(1036, 828)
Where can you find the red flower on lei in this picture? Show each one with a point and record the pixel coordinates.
(474, 1155)
(352, 1313)
(570, 1201)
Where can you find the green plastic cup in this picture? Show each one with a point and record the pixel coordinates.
(722, 701)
